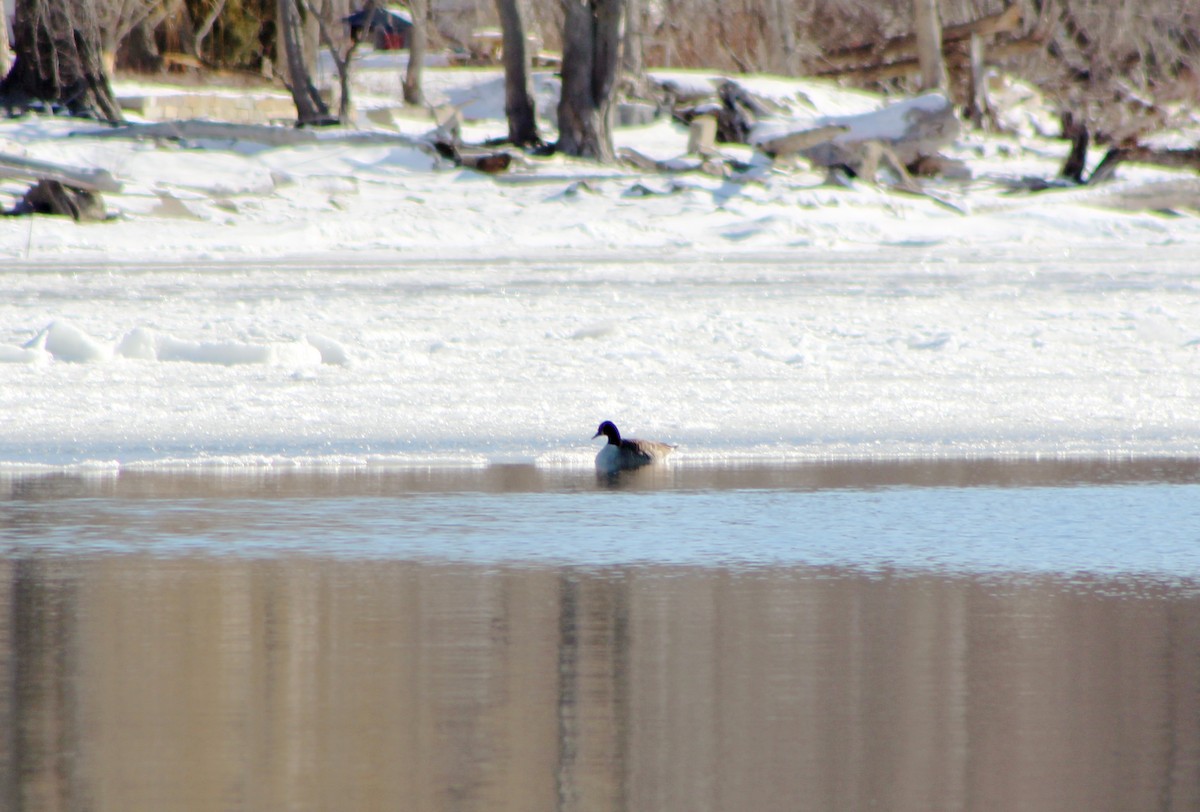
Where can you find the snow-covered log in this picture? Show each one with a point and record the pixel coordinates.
(200, 130)
(910, 129)
(192, 130)
(89, 179)
(794, 142)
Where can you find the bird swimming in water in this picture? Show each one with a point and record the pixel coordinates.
(625, 455)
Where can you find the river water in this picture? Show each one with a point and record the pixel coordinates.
(905, 635)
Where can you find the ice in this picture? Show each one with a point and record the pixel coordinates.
(148, 345)
(63, 341)
(350, 304)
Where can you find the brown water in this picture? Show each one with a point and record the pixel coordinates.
(168, 673)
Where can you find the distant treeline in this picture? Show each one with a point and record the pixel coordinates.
(1150, 43)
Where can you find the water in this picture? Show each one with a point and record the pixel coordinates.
(918, 635)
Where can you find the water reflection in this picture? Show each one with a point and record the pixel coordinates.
(190, 681)
(267, 483)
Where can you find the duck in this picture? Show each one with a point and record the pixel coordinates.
(626, 454)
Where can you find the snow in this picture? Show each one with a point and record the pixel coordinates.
(887, 123)
(346, 304)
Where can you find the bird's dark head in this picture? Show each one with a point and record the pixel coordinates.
(609, 430)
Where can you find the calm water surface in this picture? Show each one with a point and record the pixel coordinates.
(912, 636)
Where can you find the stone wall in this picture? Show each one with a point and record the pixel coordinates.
(240, 109)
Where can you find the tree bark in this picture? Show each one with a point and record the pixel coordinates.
(591, 55)
(1076, 131)
(58, 61)
(929, 44)
(343, 61)
(633, 57)
(141, 49)
(5, 54)
(783, 12)
(417, 41)
(310, 107)
(518, 96)
(205, 27)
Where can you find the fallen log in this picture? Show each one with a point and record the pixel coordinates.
(910, 129)
(487, 162)
(191, 130)
(89, 179)
(795, 142)
(1170, 158)
(711, 163)
(199, 130)
(55, 197)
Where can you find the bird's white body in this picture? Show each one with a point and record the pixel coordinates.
(625, 455)
(608, 461)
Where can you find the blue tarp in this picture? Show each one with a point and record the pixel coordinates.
(391, 20)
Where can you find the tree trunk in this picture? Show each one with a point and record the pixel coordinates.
(633, 57)
(205, 27)
(141, 49)
(1076, 131)
(518, 97)
(929, 44)
(5, 54)
(591, 55)
(310, 107)
(342, 61)
(57, 44)
(784, 13)
(416, 51)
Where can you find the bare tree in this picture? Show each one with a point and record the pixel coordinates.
(518, 97)
(633, 54)
(343, 59)
(120, 18)
(205, 27)
(591, 55)
(417, 39)
(928, 23)
(310, 107)
(5, 56)
(58, 61)
(783, 14)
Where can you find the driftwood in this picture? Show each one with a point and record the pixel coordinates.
(199, 130)
(480, 159)
(793, 143)
(65, 190)
(709, 164)
(927, 128)
(1172, 158)
(488, 162)
(736, 112)
(55, 197)
(89, 180)
(444, 144)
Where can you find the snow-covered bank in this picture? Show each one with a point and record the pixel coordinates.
(335, 198)
(336, 303)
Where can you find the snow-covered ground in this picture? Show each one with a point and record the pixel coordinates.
(342, 304)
